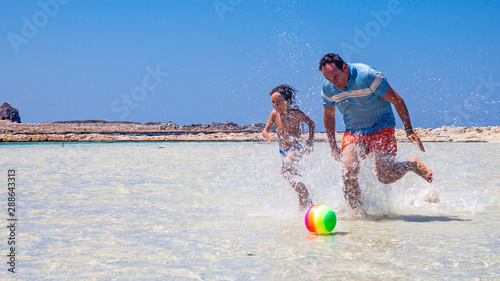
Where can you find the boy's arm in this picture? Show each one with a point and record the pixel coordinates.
(400, 106)
(310, 124)
(270, 121)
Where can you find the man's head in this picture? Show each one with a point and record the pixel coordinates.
(335, 70)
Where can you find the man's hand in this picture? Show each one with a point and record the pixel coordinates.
(415, 139)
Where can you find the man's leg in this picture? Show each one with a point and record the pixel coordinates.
(350, 171)
(389, 171)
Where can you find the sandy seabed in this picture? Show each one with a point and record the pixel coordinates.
(128, 131)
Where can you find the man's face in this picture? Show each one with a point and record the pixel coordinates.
(338, 77)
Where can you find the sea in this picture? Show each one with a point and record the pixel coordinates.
(222, 211)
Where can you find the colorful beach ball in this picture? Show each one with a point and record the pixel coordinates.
(320, 219)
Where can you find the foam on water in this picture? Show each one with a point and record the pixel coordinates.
(460, 184)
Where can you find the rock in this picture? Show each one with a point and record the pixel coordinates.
(169, 125)
(227, 126)
(95, 122)
(7, 112)
(255, 128)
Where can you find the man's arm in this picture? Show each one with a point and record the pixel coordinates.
(398, 102)
(329, 121)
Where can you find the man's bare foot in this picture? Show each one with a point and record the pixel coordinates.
(428, 196)
(432, 197)
(421, 169)
(361, 212)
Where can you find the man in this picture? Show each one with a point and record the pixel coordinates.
(364, 97)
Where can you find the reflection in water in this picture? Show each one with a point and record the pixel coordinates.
(323, 237)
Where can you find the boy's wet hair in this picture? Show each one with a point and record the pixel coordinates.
(331, 58)
(287, 91)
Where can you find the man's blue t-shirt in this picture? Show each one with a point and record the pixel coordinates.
(364, 109)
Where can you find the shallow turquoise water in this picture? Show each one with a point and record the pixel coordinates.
(222, 211)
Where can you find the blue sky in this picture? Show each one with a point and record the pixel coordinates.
(211, 61)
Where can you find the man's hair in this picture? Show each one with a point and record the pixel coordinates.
(331, 58)
(288, 92)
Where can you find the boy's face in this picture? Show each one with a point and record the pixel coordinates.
(279, 103)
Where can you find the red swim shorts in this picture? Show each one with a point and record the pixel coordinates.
(380, 140)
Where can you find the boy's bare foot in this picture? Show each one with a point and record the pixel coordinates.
(421, 169)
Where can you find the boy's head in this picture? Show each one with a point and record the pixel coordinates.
(286, 91)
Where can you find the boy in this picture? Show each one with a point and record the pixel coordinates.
(287, 121)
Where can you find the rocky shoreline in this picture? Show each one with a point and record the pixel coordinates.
(106, 131)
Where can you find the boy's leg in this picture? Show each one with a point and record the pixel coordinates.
(389, 171)
(289, 170)
(300, 188)
(304, 199)
(350, 171)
